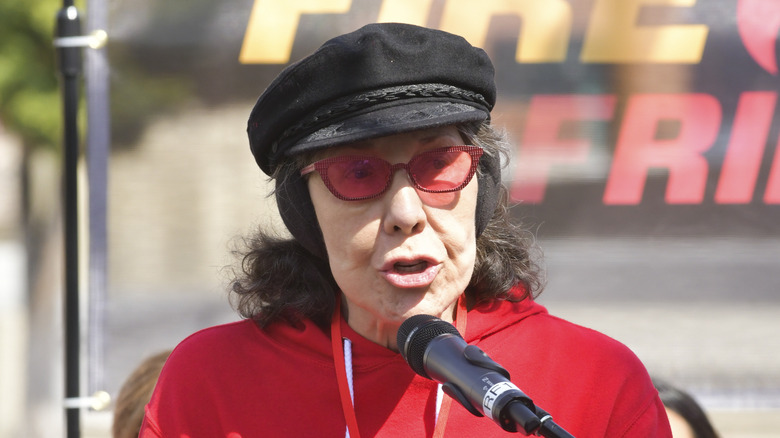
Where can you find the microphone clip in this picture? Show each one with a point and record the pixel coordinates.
(477, 357)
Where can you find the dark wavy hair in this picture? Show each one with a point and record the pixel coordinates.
(279, 279)
(684, 404)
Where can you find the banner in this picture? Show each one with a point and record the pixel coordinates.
(628, 117)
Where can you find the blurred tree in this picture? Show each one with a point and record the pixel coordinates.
(175, 58)
(30, 103)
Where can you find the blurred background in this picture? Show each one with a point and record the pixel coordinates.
(646, 163)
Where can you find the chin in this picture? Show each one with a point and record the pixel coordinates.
(436, 310)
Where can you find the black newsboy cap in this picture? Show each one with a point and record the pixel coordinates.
(382, 79)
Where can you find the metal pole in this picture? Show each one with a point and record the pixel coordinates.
(68, 25)
(98, 140)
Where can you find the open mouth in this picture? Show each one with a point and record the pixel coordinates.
(410, 267)
(412, 273)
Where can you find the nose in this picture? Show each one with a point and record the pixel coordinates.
(404, 211)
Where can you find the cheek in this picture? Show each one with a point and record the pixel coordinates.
(348, 242)
(346, 227)
(328, 215)
(456, 223)
(457, 230)
(462, 253)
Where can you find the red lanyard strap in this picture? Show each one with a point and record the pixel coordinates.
(341, 371)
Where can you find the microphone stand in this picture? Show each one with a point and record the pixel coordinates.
(549, 428)
(532, 420)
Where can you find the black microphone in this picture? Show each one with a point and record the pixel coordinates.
(434, 349)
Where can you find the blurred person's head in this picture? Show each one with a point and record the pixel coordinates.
(686, 416)
(135, 393)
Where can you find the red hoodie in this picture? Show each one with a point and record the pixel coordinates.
(240, 381)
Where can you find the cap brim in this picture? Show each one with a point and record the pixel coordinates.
(411, 116)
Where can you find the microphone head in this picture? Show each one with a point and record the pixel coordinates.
(415, 334)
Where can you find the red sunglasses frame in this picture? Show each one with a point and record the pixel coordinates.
(322, 166)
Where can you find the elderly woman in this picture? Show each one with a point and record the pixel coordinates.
(388, 178)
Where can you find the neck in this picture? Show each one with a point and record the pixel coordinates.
(380, 331)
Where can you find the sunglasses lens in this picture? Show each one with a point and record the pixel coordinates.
(441, 170)
(354, 178)
(358, 177)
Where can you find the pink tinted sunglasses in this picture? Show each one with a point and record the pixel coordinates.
(360, 177)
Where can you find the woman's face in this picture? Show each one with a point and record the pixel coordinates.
(404, 253)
